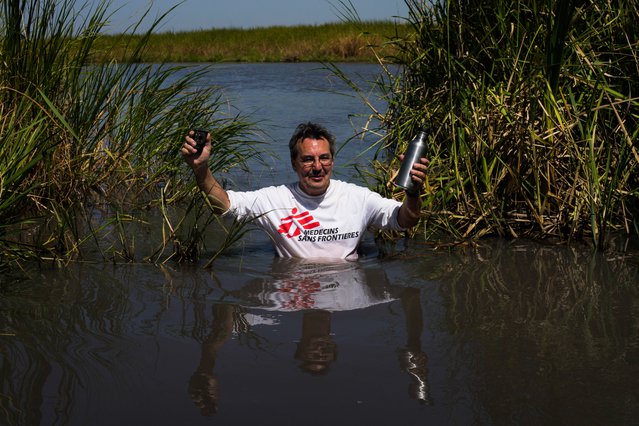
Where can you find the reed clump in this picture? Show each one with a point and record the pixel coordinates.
(533, 113)
(85, 146)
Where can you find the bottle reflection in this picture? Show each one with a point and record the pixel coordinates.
(320, 291)
(412, 359)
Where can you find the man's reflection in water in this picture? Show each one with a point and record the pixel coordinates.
(203, 385)
(318, 289)
(316, 350)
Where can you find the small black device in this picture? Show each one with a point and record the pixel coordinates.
(199, 136)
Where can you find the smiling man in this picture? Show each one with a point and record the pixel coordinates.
(315, 217)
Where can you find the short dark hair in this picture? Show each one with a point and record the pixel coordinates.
(313, 131)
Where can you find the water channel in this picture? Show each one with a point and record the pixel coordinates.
(511, 332)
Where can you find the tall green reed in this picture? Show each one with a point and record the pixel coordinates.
(79, 136)
(534, 116)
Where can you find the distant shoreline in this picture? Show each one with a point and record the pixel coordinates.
(339, 42)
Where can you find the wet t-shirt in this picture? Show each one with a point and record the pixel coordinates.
(330, 225)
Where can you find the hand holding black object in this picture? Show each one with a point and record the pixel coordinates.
(200, 136)
(196, 148)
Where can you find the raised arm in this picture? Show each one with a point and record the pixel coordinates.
(199, 163)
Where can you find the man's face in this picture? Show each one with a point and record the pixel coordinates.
(314, 165)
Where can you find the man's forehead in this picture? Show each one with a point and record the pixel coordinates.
(312, 144)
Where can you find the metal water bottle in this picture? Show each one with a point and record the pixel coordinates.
(414, 152)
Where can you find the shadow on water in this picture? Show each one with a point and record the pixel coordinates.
(510, 334)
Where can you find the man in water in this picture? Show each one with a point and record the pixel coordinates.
(315, 217)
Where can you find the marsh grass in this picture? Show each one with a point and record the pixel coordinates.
(337, 42)
(533, 112)
(87, 149)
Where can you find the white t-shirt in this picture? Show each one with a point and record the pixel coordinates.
(324, 226)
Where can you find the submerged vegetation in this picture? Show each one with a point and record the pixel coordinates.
(533, 112)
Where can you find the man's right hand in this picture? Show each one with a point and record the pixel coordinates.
(200, 165)
(190, 152)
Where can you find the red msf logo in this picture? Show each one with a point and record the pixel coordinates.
(293, 225)
(299, 294)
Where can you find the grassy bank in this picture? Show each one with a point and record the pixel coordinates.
(330, 42)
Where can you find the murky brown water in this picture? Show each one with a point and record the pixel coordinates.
(512, 333)
(515, 334)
